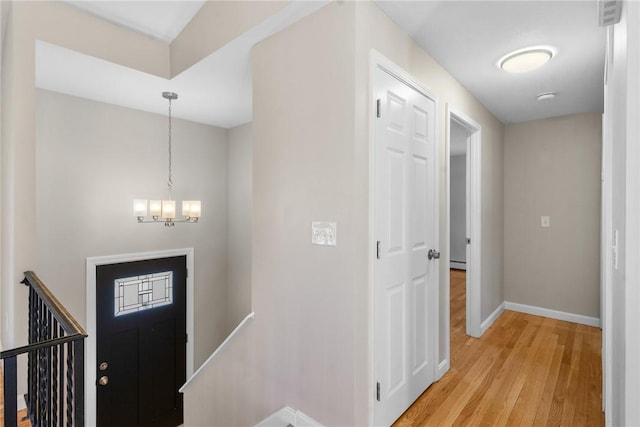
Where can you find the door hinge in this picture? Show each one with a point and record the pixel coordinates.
(468, 239)
(186, 338)
(377, 107)
(378, 249)
(378, 392)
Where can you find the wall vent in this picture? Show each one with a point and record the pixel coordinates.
(609, 12)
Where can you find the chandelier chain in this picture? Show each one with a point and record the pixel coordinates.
(170, 181)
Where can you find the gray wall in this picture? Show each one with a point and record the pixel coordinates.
(5, 7)
(63, 25)
(92, 160)
(376, 31)
(458, 208)
(458, 136)
(299, 350)
(309, 345)
(239, 167)
(552, 168)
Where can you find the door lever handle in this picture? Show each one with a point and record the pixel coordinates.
(433, 254)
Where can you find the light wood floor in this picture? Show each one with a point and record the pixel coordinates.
(524, 371)
(21, 414)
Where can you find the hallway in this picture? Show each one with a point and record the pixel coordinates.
(525, 370)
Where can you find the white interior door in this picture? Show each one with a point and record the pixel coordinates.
(405, 280)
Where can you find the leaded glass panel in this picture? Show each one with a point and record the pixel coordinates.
(144, 292)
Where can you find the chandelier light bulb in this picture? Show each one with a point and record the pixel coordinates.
(140, 208)
(168, 209)
(155, 208)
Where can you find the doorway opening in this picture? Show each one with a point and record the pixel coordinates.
(458, 137)
(463, 156)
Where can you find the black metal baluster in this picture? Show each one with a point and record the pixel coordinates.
(33, 356)
(42, 375)
(32, 297)
(49, 361)
(54, 376)
(70, 356)
(78, 381)
(11, 390)
(42, 404)
(37, 403)
(62, 381)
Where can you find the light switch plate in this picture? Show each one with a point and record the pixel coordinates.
(323, 233)
(545, 221)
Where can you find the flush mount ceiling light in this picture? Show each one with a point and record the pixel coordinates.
(166, 209)
(527, 59)
(546, 96)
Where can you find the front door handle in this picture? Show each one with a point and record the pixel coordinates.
(433, 254)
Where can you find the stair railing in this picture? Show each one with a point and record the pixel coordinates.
(55, 363)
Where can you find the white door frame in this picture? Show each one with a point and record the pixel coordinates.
(90, 342)
(377, 60)
(474, 222)
(606, 239)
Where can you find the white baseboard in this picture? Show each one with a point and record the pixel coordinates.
(443, 368)
(289, 416)
(486, 324)
(553, 314)
(458, 265)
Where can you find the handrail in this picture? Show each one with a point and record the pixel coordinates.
(231, 336)
(39, 345)
(61, 314)
(68, 323)
(55, 368)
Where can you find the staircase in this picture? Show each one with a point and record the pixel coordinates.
(55, 364)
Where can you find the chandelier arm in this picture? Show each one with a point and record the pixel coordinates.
(189, 220)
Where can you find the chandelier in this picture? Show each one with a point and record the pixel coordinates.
(164, 211)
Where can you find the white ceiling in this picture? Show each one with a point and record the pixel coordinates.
(216, 91)
(469, 37)
(162, 20)
(466, 37)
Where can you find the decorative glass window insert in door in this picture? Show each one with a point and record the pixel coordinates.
(137, 293)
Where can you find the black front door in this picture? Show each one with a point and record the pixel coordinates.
(141, 342)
